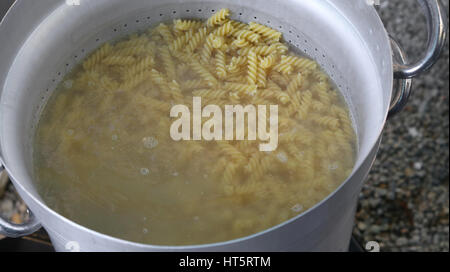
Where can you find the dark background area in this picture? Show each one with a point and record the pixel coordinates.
(404, 205)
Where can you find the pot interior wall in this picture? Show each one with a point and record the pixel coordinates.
(346, 38)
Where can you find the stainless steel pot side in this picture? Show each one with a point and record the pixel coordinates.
(42, 40)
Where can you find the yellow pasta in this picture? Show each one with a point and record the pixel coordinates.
(196, 39)
(204, 73)
(252, 67)
(194, 84)
(267, 32)
(224, 30)
(119, 60)
(218, 42)
(207, 48)
(239, 43)
(184, 25)
(107, 134)
(221, 70)
(247, 35)
(181, 41)
(97, 57)
(239, 88)
(164, 31)
(294, 85)
(261, 76)
(269, 61)
(168, 63)
(218, 18)
(210, 94)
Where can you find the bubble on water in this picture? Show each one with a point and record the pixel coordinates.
(145, 171)
(70, 132)
(150, 142)
(196, 218)
(144, 218)
(253, 92)
(297, 208)
(282, 157)
(144, 230)
(333, 166)
(68, 84)
(114, 137)
(205, 176)
(175, 174)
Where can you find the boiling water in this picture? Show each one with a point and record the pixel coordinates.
(104, 157)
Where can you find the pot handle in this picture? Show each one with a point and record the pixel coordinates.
(403, 70)
(437, 33)
(14, 230)
(402, 87)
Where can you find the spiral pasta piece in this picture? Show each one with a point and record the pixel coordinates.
(97, 56)
(294, 85)
(261, 76)
(185, 25)
(267, 32)
(204, 73)
(269, 61)
(119, 60)
(218, 18)
(207, 48)
(145, 64)
(165, 32)
(221, 70)
(169, 64)
(224, 30)
(181, 41)
(240, 88)
(196, 39)
(250, 36)
(210, 94)
(252, 67)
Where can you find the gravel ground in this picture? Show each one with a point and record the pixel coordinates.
(404, 204)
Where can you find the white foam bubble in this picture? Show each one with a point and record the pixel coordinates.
(282, 157)
(68, 84)
(145, 171)
(333, 166)
(150, 142)
(297, 208)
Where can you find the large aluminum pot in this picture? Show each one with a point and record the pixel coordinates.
(42, 40)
